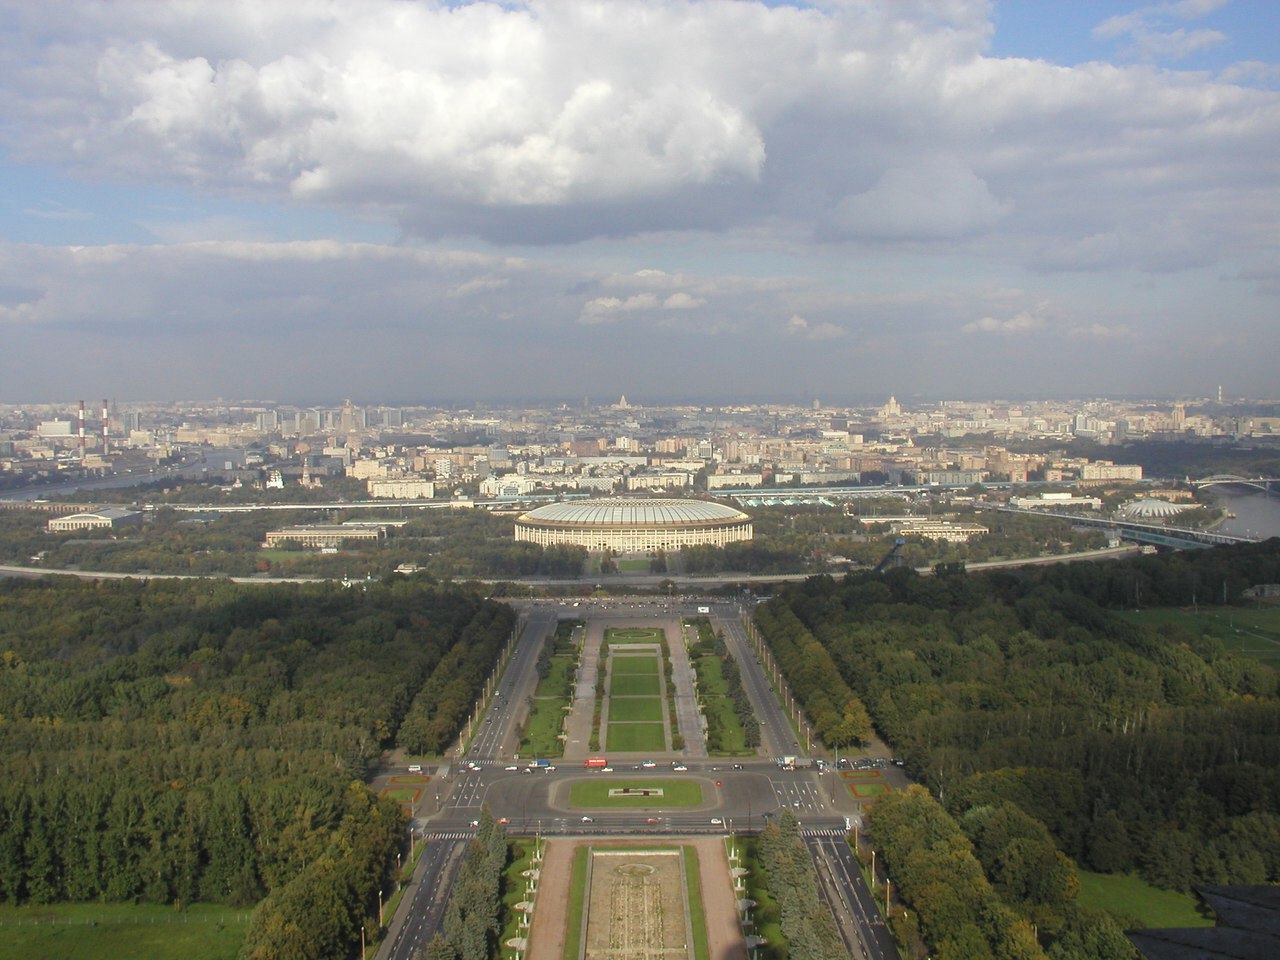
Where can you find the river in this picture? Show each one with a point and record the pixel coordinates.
(1257, 514)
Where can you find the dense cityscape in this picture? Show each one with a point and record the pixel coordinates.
(641, 644)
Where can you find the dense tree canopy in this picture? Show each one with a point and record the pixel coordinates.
(199, 741)
(1054, 729)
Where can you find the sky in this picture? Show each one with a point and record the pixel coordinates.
(708, 200)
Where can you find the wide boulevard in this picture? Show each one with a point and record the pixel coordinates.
(738, 795)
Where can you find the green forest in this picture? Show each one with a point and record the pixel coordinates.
(1050, 731)
(197, 741)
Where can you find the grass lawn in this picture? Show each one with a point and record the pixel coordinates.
(101, 931)
(767, 916)
(697, 913)
(1139, 902)
(513, 889)
(635, 708)
(558, 682)
(577, 911)
(634, 634)
(733, 740)
(1247, 631)
(635, 685)
(867, 790)
(633, 565)
(629, 737)
(595, 793)
(409, 778)
(402, 794)
(716, 703)
(640, 664)
(542, 731)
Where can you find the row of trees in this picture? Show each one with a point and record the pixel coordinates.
(446, 698)
(472, 920)
(789, 876)
(838, 716)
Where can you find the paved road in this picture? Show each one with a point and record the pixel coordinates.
(776, 735)
(422, 908)
(738, 796)
(851, 903)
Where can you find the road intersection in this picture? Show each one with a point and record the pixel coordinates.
(737, 795)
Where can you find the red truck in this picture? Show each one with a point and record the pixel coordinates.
(596, 762)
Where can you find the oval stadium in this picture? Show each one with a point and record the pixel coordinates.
(634, 525)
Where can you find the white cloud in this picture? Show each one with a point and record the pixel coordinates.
(556, 121)
(682, 301)
(1151, 35)
(798, 326)
(608, 309)
(1010, 326)
(478, 285)
(1101, 331)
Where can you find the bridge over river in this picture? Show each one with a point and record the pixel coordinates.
(1265, 484)
(1178, 538)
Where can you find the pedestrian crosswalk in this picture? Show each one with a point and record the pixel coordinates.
(819, 832)
(451, 835)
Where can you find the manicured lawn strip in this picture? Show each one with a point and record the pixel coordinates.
(625, 665)
(633, 634)
(733, 741)
(409, 778)
(766, 914)
(1136, 901)
(577, 903)
(546, 713)
(513, 888)
(558, 684)
(865, 790)
(104, 931)
(697, 913)
(407, 795)
(636, 737)
(594, 794)
(635, 708)
(635, 685)
(716, 703)
(633, 565)
(542, 729)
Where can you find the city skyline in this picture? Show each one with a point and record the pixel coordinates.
(453, 203)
